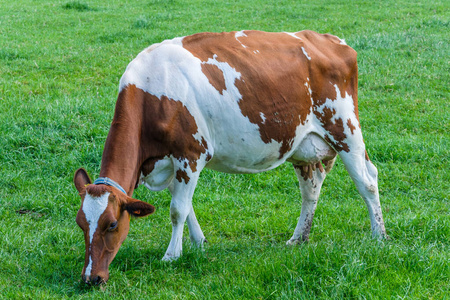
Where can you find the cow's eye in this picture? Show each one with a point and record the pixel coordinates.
(112, 226)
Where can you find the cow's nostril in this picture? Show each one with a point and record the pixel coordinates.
(96, 280)
(85, 280)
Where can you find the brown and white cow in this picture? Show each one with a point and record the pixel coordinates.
(238, 102)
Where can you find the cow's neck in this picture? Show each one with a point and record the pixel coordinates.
(122, 157)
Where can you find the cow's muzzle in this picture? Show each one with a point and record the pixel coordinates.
(94, 280)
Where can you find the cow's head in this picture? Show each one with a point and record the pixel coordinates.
(104, 216)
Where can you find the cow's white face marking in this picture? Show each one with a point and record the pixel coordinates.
(93, 208)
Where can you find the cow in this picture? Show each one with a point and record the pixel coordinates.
(235, 102)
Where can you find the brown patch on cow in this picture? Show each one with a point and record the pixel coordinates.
(203, 143)
(350, 125)
(169, 129)
(272, 81)
(215, 76)
(148, 166)
(146, 128)
(208, 156)
(96, 190)
(336, 145)
(366, 155)
(335, 129)
(182, 175)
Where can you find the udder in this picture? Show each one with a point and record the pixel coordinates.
(312, 149)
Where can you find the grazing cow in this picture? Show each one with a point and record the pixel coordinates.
(238, 102)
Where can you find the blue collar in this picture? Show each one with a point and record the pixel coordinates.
(110, 182)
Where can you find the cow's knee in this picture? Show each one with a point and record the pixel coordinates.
(178, 213)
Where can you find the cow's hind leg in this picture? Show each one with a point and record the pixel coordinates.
(181, 210)
(365, 176)
(310, 179)
(195, 232)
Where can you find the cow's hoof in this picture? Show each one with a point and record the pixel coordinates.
(381, 237)
(200, 243)
(295, 242)
(379, 233)
(169, 258)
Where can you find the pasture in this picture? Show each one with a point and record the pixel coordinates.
(60, 64)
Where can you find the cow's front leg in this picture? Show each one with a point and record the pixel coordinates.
(182, 189)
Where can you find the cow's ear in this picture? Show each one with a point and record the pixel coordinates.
(138, 208)
(81, 179)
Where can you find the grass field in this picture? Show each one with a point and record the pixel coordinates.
(60, 64)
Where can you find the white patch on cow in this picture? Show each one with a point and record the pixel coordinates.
(308, 86)
(344, 109)
(87, 273)
(175, 41)
(93, 208)
(230, 74)
(198, 137)
(239, 34)
(185, 162)
(263, 117)
(306, 54)
(293, 35)
(151, 47)
(342, 42)
(256, 51)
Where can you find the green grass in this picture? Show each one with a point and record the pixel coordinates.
(60, 63)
